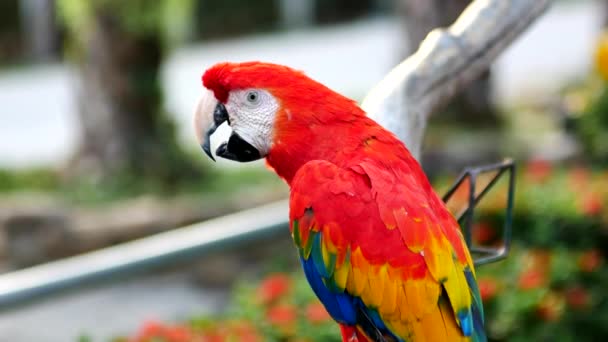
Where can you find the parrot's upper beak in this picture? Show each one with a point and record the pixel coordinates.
(211, 114)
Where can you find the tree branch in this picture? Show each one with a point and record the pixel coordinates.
(447, 60)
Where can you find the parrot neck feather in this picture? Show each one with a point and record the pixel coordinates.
(341, 134)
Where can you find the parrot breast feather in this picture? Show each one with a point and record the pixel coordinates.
(372, 239)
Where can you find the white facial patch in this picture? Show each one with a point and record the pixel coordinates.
(252, 113)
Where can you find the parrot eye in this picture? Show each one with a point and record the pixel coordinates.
(253, 97)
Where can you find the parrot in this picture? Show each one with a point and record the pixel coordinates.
(377, 245)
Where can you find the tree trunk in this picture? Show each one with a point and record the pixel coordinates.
(473, 104)
(123, 126)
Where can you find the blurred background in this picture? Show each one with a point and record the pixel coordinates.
(96, 148)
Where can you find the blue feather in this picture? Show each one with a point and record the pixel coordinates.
(340, 306)
(464, 317)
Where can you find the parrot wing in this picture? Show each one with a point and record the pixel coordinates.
(376, 241)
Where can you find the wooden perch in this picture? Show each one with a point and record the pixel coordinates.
(447, 60)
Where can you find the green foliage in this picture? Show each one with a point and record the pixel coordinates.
(546, 295)
(588, 105)
(32, 179)
(590, 123)
(168, 18)
(216, 183)
(553, 283)
(566, 207)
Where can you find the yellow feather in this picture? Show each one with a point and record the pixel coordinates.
(452, 287)
(438, 258)
(403, 329)
(341, 275)
(452, 329)
(457, 288)
(388, 307)
(324, 251)
(418, 332)
(433, 327)
(449, 272)
(402, 304)
(414, 290)
(432, 290)
(467, 255)
(372, 296)
(357, 277)
(357, 281)
(329, 244)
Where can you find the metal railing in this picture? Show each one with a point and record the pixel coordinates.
(157, 250)
(196, 240)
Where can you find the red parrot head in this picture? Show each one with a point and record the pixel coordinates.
(263, 103)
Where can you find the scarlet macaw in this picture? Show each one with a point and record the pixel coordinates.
(377, 245)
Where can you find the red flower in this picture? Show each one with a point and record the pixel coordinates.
(281, 314)
(215, 336)
(483, 232)
(590, 261)
(316, 313)
(273, 287)
(531, 279)
(155, 330)
(151, 328)
(284, 317)
(488, 288)
(577, 297)
(591, 204)
(538, 170)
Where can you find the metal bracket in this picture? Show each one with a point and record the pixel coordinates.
(465, 217)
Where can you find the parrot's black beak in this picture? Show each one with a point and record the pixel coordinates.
(219, 116)
(236, 148)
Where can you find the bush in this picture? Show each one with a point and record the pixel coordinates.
(280, 308)
(552, 286)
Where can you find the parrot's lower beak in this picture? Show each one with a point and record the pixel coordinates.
(211, 114)
(238, 149)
